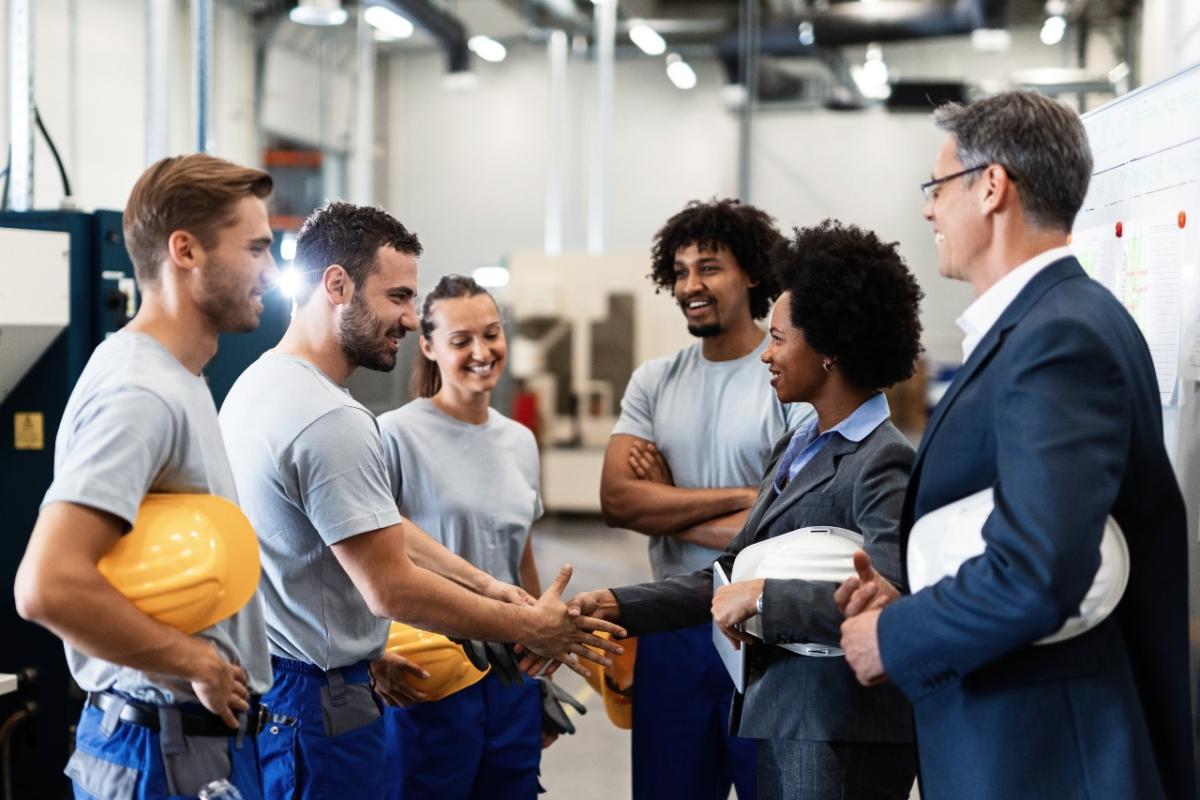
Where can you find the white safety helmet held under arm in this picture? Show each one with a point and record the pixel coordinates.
(820, 553)
(943, 540)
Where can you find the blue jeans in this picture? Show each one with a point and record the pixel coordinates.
(681, 700)
(128, 763)
(325, 739)
(481, 743)
(790, 768)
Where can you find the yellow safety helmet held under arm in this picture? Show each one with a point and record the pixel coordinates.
(190, 560)
(447, 664)
(616, 682)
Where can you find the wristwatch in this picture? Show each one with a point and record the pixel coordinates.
(758, 603)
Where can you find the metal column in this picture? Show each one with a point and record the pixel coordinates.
(605, 20)
(159, 32)
(20, 104)
(748, 45)
(202, 71)
(556, 141)
(362, 167)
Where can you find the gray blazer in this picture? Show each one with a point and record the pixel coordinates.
(855, 485)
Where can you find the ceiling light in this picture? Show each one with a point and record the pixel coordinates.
(680, 72)
(491, 277)
(287, 247)
(318, 12)
(487, 48)
(646, 38)
(388, 22)
(872, 76)
(991, 40)
(1053, 29)
(806, 35)
(288, 282)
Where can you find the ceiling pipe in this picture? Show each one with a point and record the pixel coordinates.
(441, 25)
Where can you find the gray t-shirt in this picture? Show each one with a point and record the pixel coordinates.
(310, 468)
(138, 422)
(474, 488)
(715, 423)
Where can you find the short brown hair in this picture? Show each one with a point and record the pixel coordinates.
(195, 193)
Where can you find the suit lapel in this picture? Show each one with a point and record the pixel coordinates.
(814, 473)
(1055, 273)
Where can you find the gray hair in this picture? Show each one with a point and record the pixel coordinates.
(1040, 143)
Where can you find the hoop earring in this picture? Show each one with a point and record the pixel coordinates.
(827, 365)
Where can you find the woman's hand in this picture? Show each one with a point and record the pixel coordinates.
(734, 604)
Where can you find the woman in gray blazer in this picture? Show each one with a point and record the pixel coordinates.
(845, 327)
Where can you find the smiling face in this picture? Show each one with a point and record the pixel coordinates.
(237, 270)
(711, 289)
(467, 342)
(380, 311)
(952, 211)
(796, 372)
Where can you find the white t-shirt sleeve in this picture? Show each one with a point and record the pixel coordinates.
(342, 475)
(120, 441)
(637, 405)
(797, 414)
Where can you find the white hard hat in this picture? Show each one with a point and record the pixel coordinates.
(942, 540)
(820, 553)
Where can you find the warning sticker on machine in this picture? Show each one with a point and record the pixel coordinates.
(29, 430)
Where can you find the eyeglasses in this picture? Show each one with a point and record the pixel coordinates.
(929, 188)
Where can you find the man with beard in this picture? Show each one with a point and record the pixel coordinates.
(338, 560)
(141, 419)
(683, 466)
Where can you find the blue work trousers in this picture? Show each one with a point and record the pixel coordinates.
(681, 700)
(481, 743)
(125, 762)
(325, 737)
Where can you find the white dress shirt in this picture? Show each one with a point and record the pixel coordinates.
(981, 315)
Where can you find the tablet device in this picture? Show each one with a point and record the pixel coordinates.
(734, 659)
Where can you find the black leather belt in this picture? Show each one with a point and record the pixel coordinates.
(195, 723)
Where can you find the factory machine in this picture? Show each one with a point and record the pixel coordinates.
(68, 283)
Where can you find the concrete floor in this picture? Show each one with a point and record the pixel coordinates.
(594, 763)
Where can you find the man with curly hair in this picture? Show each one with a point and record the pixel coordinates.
(682, 467)
(1055, 411)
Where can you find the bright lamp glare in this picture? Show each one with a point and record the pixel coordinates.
(1052, 30)
(647, 39)
(318, 12)
(491, 277)
(388, 22)
(287, 247)
(487, 48)
(288, 282)
(680, 72)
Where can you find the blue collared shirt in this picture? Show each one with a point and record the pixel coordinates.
(806, 443)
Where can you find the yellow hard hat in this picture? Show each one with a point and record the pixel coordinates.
(616, 683)
(448, 666)
(190, 560)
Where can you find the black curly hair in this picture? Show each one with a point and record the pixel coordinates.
(350, 235)
(745, 231)
(855, 300)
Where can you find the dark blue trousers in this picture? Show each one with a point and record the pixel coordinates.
(681, 699)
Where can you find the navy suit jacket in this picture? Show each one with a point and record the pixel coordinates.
(1058, 411)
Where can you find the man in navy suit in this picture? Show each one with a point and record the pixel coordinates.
(1056, 409)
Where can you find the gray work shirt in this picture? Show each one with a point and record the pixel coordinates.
(138, 422)
(310, 468)
(474, 488)
(715, 422)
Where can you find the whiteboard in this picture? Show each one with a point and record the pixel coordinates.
(1139, 230)
(1146, 187)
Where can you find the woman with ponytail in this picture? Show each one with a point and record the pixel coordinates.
(469, 476)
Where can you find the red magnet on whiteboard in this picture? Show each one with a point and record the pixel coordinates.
(1182, 219)
(1120, 230)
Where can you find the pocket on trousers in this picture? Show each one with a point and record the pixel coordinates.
(206, 760)
(358, 707)
(277, 760)
(103, 780)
